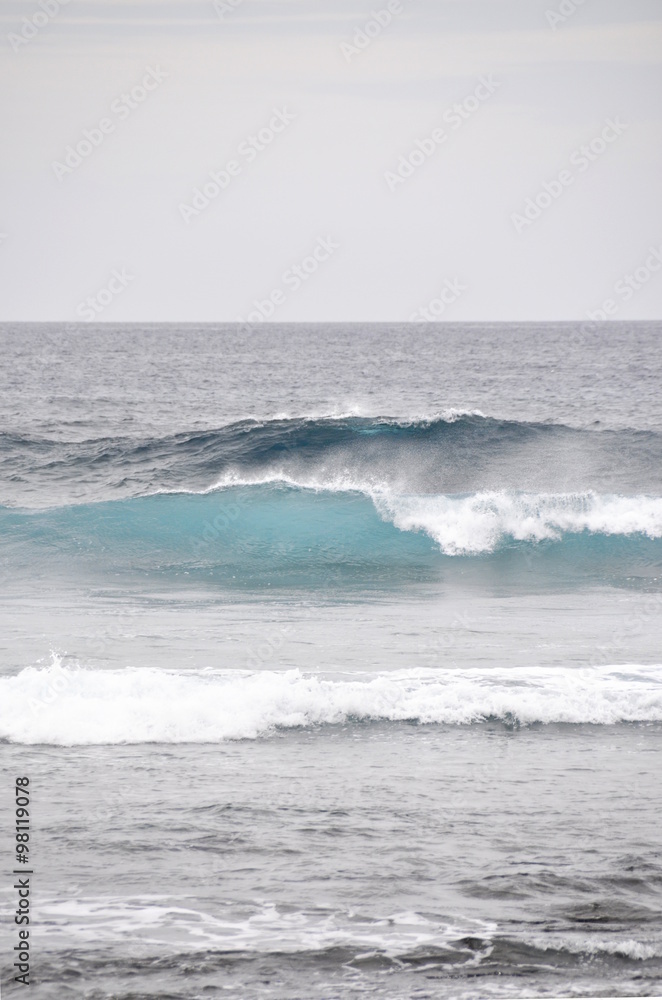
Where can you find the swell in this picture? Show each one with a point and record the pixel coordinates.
(454, 452)
(270, 533)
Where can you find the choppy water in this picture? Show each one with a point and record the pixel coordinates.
(333, 655)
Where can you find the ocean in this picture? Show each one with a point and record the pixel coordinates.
(332, 657)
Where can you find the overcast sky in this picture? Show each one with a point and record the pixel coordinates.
(376, 162)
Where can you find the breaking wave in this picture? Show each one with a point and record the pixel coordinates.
(72, 706)
(272, 533)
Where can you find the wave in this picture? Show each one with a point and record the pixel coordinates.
(309, 943)
(452, 452)
(454, 948)
(273, 533)
(267, 927)
(257, 928)
(72, 706)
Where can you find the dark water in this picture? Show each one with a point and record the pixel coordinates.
(333, 656)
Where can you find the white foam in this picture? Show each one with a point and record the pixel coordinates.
(582, 944)
(342, 483)
(75, 706)
(257, 927)
(263, 926)
(449, 415)
(478, 523)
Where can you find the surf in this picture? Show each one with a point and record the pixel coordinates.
(70, 705)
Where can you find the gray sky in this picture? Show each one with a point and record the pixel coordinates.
(432, 162)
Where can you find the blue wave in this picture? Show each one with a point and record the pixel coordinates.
(270, 535)
(446, 454)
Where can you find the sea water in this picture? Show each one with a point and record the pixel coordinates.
(332, 654)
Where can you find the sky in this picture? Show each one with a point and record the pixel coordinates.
(330, 160)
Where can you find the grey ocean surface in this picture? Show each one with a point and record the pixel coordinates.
(333, 656)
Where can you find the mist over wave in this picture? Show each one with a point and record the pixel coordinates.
(453, 452)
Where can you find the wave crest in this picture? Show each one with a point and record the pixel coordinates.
(479, 524)
(449, 452)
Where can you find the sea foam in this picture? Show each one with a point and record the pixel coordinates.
(479, 523)
(71, 706)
